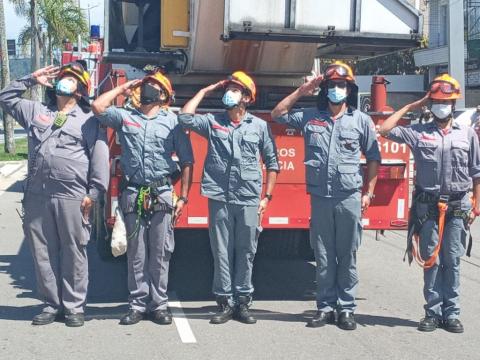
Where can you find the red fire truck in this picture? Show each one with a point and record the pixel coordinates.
(278, 42)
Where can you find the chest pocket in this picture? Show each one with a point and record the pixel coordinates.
(70, 145)
(349, 141)
(219, 134)
(427, 150)
(314, 134)
(164, 141)
(250, 145)
(460, 153)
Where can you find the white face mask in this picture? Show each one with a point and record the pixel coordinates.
(231, 99)
(441, 111)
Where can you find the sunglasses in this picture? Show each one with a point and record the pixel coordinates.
(339, 84)
(444, 87)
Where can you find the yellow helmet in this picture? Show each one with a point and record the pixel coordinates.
(245, 81)
(339, 71)
(445, 87)
(76, 70)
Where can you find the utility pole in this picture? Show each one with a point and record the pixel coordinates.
(8, 122)
(456, 46)
(36, 90)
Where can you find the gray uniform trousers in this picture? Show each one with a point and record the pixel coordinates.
(335, 234)
(58, 235)
(234, 232)
(148, 259)
(442, 281)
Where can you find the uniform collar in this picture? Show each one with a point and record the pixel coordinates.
(162, 112)
(433, 125)
(73, 111)
(246, 119)
(326, 112)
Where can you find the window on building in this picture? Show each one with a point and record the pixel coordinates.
(12, 48)
(443, 25)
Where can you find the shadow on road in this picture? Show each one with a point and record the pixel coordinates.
(191, 274)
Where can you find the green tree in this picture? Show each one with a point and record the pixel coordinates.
(8, 122)
(58, 20)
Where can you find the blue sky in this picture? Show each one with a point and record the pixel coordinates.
(14, 24)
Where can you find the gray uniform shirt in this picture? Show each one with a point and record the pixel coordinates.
(69, 161)
(232, 171)
(446, 161)
(333, 149)
(148, 143)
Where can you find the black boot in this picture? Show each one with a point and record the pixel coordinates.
(346, 321)
(242, 314)
(322, 318)
(224, 313)
(453, 326)
(132, 317)
(428, 323)
(45, 318)
(74, 320)
(162, 317)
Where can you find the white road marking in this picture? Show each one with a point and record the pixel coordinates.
(19, 172)
(9, 169)
(181, 322)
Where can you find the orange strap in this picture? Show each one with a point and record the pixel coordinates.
(427, 264)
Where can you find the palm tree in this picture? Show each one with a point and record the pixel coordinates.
(29, 9)
(58, 19)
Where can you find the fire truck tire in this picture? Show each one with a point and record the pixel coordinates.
(285, 244)
(101, 235)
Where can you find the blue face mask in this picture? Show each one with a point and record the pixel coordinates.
(231, 99)
(65, 87)
(337, 95)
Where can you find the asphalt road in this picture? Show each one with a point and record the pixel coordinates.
(389, 305)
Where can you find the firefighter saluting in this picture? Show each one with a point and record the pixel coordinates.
(149, 134)
(232, 182)
(447, 157)
(336, 134)
(67, 172)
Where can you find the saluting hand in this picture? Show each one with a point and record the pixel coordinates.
(45, 75)
(128, 87)
(308, 88)
(86, 207)
(417, 105)
(213, 87)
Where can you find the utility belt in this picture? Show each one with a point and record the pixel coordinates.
(163, 181)
(453, 203)
(148, 201)
(441, 208)
(426, 197)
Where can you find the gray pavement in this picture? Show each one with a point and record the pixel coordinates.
(389, 306)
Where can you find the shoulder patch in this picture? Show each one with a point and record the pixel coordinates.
(130, 123)
(43, 118)
(319, 122)
(220, 127)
